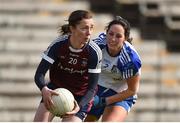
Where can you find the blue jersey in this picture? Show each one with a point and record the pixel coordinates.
(116, 70)
(70, 67)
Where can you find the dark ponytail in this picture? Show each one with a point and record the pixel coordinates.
(64, 29)
(74, 19)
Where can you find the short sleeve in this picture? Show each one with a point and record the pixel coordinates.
(129, 63)
(95, 58)
(50, 54)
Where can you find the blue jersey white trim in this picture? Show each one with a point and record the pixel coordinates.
(95, 54)
(45, 54)
(50, 60)
(61, 38)
(94, 70)
(99, 58)
(116, 70)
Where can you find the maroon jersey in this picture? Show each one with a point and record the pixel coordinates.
(70, 67)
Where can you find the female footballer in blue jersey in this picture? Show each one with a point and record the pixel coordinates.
(74, 63)
(119, 81)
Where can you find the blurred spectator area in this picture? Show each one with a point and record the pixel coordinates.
(156, 19)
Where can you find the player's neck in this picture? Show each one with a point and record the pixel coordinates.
(75, 43)
(114, 52)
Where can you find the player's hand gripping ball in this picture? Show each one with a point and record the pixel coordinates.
(64, 102)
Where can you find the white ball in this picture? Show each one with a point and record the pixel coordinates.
(63, 103)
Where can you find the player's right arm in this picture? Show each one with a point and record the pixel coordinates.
(40, 82)
(39, 77)
(48, 58)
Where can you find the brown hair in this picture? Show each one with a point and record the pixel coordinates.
(124, 23)
(74, 19)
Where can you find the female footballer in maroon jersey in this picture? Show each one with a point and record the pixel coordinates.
(74, 63)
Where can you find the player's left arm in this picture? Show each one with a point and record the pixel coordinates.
(133, 87)
(133, 81)
(93, 79)
(94, 69)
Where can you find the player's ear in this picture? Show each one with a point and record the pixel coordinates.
(72, 28)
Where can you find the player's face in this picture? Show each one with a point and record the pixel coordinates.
(115, 37)
(83, 30)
